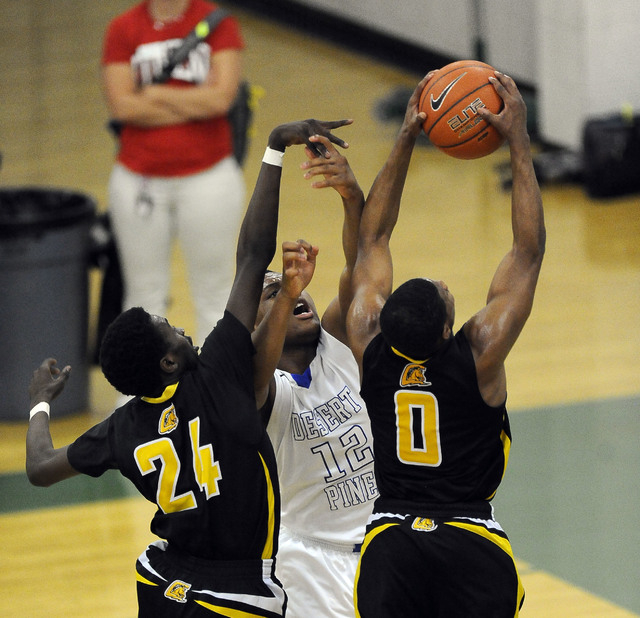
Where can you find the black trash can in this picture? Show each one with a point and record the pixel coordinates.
(44, 299)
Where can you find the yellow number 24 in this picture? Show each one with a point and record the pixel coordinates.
(161, 454)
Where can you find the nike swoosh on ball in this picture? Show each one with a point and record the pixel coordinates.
(436, 103)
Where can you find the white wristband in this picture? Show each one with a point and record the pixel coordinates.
(273, 157)
(43, 406)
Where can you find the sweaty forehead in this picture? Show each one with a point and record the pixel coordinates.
(270, 278)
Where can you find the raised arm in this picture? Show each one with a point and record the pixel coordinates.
(257, 240)
(336, 172)
(45, 464)
(493, 331)
(298, 266)
(372, 277)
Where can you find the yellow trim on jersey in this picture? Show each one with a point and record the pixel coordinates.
(144, 580)
(367, 539)
(166, 395)
(412, 360)
(502, 543)
(506, 449)
(267, 552)
(226, 611)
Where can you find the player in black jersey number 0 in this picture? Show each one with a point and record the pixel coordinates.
(437, 401)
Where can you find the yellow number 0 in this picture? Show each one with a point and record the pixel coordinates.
(418, 423)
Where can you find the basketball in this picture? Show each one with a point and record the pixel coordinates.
(451, 99)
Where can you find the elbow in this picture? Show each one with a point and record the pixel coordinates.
(116, 108)
(44, 472)
(534, 248)
(38, 477)
(541, 244)
(535, 256)
(257, 253)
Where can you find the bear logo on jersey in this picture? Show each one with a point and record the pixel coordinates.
(423, 524)
(168, 420)
(177, 591)
(414, 375)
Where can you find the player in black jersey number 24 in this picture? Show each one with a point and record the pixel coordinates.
(191, 439)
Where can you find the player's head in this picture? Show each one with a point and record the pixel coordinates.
(304, 323)
(417, 316)
(141, 353)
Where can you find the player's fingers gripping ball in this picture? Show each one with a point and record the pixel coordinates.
(451, 99)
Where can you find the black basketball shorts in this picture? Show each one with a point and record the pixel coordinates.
(170, 583)
(442, 568)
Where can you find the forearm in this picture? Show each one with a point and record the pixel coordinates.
(268, 339)
(526, 203)
(383, 203)
(189, 104)
(353, 206)
(335, 315)
(45, 465)
(257, 239)
(138, 109)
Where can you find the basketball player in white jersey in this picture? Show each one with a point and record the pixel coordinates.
(320, 429)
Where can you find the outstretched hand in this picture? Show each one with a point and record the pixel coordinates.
(511, 121)
(334, 168)
(298, 266)
(47, 381)
(413, 117)
(300, 132)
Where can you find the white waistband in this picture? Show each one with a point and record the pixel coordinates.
(341, 547)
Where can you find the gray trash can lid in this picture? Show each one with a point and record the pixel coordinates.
(36, 209)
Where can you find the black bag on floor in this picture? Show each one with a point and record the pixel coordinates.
(611, 156)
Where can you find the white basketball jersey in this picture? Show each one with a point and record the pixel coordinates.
(322, 438)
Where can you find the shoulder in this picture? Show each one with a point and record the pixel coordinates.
(230, 339)
(123, 35)
(461, 339)
(283, 406)
(129, 17)
(376, 346)
(332, 353)
(283, 384)
(455, 352)
(328, 344)
(227, 34)
(230, 326)
(204, 7)
(490, 375)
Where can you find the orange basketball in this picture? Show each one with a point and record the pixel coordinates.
(451, 100)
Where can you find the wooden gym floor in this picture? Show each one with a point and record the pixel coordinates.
(571, 495)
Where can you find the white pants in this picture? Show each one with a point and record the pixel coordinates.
(317, 579)
(203, 212)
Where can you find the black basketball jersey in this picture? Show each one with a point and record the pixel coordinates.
(435, 440)
(200, 452)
